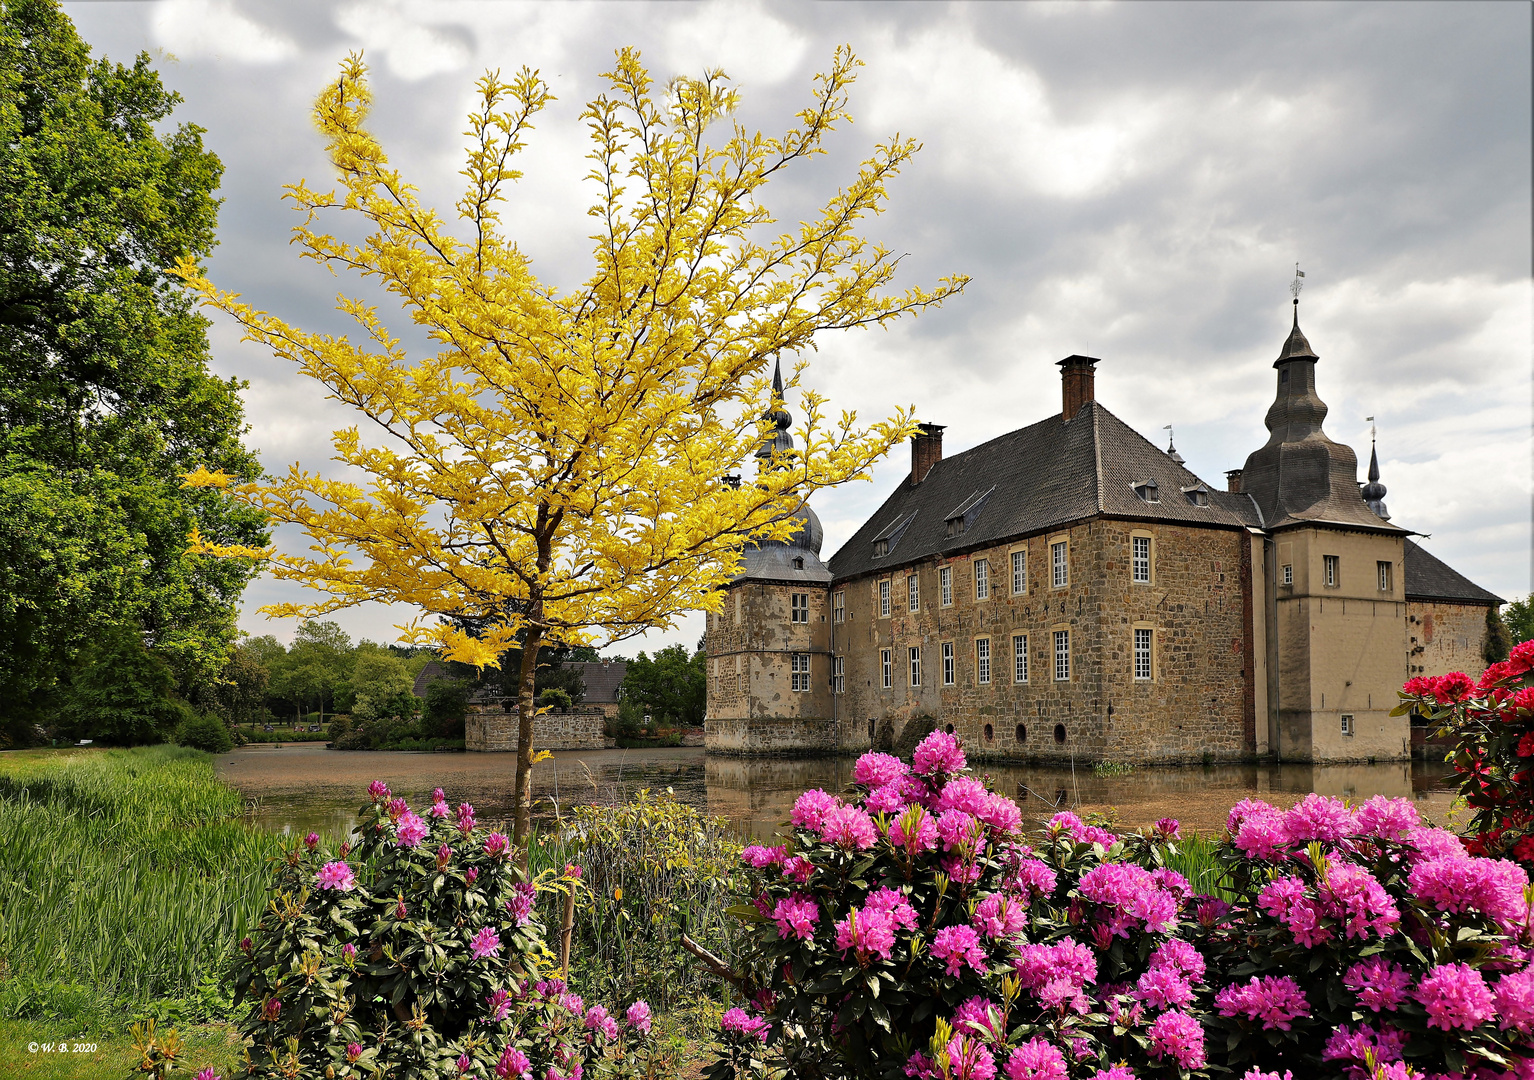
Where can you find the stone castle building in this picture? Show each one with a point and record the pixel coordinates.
(1069, 591)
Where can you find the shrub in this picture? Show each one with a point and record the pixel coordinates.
(340, 724)
(554, 698)
(418, 954)
(205, 732)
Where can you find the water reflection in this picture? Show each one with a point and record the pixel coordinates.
(300, 788)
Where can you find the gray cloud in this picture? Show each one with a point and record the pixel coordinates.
(1134, 181)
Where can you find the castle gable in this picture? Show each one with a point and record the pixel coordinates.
(1430, 578)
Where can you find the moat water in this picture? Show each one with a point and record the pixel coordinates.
(299, 788)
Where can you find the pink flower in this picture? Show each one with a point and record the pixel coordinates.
(573, 870)
(1379, 984)
(411, 830)
(895, 905)
(336, 876)
(378, 790)
(599, 1022)
(761, 857)
(998, 916)
(959, 829)
(811, 808)
(1000, 814)
(465, 818)
(1254, 1073)
(848, 827)
(920, 1067)
(1455, 996)
(1117, 1072)
(1210, 910)
(1068, 823)
(798, 868)
(1133, 892)
(349, 952)
(353, 1051)
(1262, 833)
(397, 808)
(1320, 817)
(968, 1059)
(740, 1022)
(1345, 1044)
(638, 1016)
(867, 933)
(1181, 957)
(1350, 895)
(1178, 1035)
(1056, 973)
(874, 770)
(889, 799)
(1163, 988)
(444, 856)
(1274, 999)
(958, 946)
(500, 1006)
(1435, 844)
(520, 906)
(796, 916)
(312, 841)
(1030, 876)
(513, 1065)
(1493, 887)
(496, 845)
(207, 1074)
(962, 794)
(978, 1017)
(1244, 809)
(1169, 828)
(1514, 1001)
(1036, 1059)
(1388, 819)
(915, 831)
(1169, 880)
(439, 809)
(486, 943)
(938, 754)
(471, 875)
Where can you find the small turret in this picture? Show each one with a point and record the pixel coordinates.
(1374, 491)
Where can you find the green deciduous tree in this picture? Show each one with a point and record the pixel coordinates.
(105, 395)
(1519, 618)
(377, 679)
(671, 688)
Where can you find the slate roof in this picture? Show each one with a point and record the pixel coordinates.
(1430, 578)
(601, 679)
(1031, 480)
(426, 676)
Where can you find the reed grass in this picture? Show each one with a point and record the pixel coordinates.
(1196, 860)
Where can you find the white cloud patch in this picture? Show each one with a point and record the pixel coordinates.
(195, 29)
(413, 48)
(752, 47)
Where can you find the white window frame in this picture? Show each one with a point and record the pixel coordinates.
(1349, 726)
(1060, 564)
(1062, 643)
(1019, 658)
(884, 598)
(945, 585)
(1019, 572)
(886, 665)
(1331, 569)
(799, 604)
(913, 655)
(983, 661)
(799, 672)
(1383, 569)
(948, 675)
(839, 606)
(839, 675)
(912, 593)
(1140, 559)
(1288, 576)
(982, 579)
(1144, 653)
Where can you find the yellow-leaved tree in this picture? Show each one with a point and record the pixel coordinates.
(558, 471)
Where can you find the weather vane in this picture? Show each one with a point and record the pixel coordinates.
(1297, 284)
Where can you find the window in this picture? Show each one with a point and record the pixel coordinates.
(1060, 574)
(800, 672)
(1384, 571)
(1144, 640)
(1288, 575)
(800, 602)
(1139, 559)
(983, 661)
(912, 593)
(798, 563)
(838, 675)
(1019, 573)
(914, 654)
(884, 598)
(1147, 491)
(1329, 563)
(982, 579)
(1021, 732)
(945, 585)
(990, 733)
(947, 663)
(1347, 724)
(839, 606)
(1019, 657)
(885, 664)
(1062, 656)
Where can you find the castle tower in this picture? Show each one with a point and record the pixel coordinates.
(769, 657)
(1335, 570)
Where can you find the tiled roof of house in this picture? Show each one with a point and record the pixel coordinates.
(1430, 578)
(1033, 479)
(601, 679)
(426, 676)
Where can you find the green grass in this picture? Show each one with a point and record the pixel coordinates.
(105, 1055)
(125, 878)
(1195, 860)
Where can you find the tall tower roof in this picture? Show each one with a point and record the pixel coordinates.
(1300, 475)
(796, 559)
(1374, 491)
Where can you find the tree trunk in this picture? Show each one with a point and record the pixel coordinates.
(527, 707)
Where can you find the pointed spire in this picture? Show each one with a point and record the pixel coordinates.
(1374, 491)
(1297, 347)
(780, 440)
(1171, 444)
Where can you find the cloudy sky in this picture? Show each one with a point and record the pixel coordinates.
(1133, 181)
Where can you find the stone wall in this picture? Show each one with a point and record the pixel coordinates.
(1195, 705)
(1443, 637)
(495, 729)
(769, 736)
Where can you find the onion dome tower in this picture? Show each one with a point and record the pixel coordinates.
(796, 559)
(1374, 491)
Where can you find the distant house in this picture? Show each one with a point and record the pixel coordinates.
(428, 675)
(602, 679)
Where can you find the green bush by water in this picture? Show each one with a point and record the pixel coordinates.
(125, 877)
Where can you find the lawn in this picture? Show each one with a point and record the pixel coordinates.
(98, 1056)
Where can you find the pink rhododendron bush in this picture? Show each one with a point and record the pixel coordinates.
(417, 954)
(1492, 723)
(908, 929)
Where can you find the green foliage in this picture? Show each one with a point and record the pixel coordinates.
(205, 732)
(671, 688)
(340, 724)
(446, 707)
(1496, 640)
(554, 698)
(240, 696)
(105, 396)
(377, 681)
(125, 874)
(1113, 768)
(1519, 618)
(120, 693)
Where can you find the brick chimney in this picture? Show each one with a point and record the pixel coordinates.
(1232, 479)
(926, 451)
(1077, 378)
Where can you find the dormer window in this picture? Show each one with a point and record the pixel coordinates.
(887, 539)
(954, 526)
(881, 547)
(798, 564)
(958, 521)
(1147, 491)
(1198, 494)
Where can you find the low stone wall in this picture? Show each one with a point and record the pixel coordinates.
(495, 730)
(769, 736)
